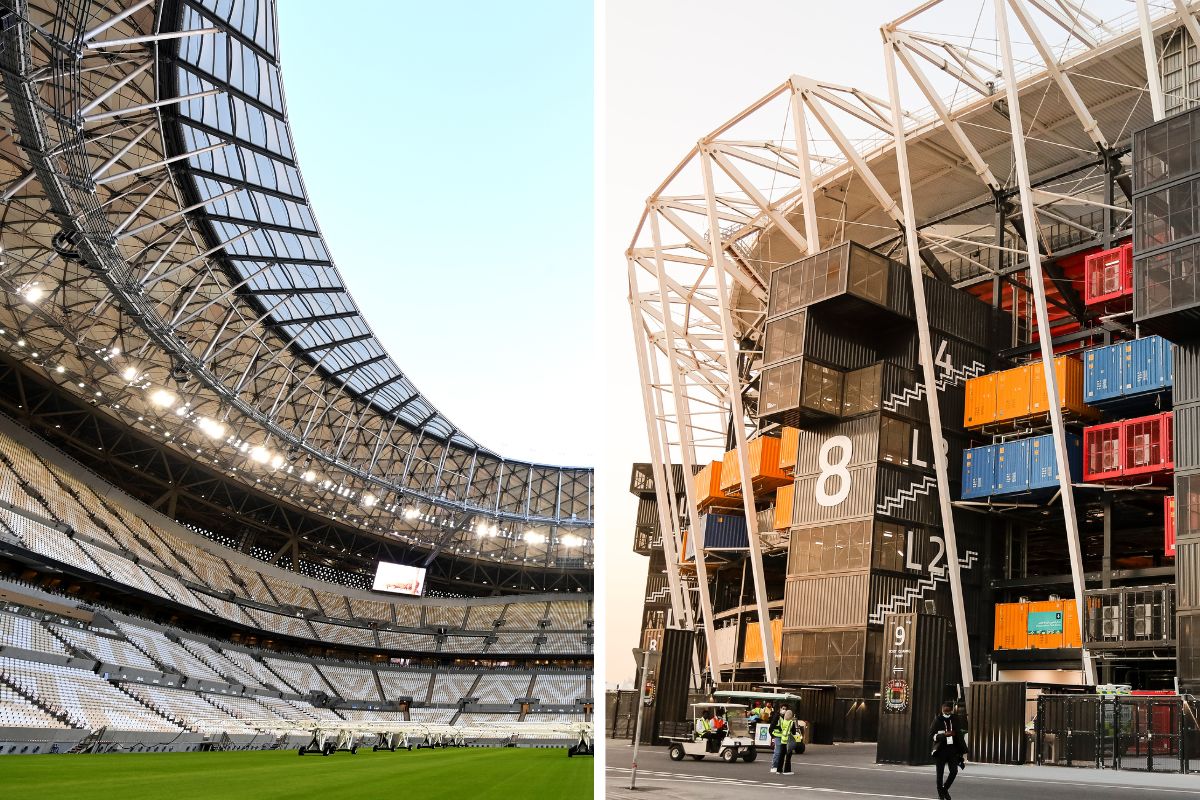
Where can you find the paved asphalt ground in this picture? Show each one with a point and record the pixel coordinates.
(849, 771)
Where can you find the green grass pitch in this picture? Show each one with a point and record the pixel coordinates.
(454, 774)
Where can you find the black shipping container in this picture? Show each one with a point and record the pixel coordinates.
(647, 511)
(915, 649)
(963, 316)
(1166, 151)
(1187, 505)
(1186, 361)
(1186, 437)
(1188, 653)
(1166, 287)
(997, 717)
(816, 707)
(641, 482)
(1187, 575)
(907, 495)
(673, 678)
(847, 277)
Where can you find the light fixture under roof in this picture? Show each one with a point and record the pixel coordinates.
(533, 537)
(129, 374)
(260, 454)
(162, 398)
(33, 293)
(211, 428)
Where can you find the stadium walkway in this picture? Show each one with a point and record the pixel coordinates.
(849, 771)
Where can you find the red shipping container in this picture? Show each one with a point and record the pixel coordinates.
(1169, 528)
(1146, 446)
(1108, 276)
(1130, 449)
(1102, 452)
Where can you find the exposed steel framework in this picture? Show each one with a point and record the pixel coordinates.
(162, 262)
(1025, 117)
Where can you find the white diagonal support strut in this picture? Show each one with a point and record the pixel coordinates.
(1034, 256)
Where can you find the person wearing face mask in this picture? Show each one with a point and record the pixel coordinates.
(949, 749)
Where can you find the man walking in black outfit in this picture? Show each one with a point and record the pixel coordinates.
(948, 747)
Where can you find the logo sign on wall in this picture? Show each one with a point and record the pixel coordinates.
(1045, 622)
(399, 579)
(895, 695)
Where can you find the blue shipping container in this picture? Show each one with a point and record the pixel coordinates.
(1043, 465)
(979, 471)
(1102, 373)
(1012, 467)
(1146, 365)
(724, 532)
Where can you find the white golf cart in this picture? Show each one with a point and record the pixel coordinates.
(762, 731)
(729, 749)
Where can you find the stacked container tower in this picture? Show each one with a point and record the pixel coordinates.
(1019, 258)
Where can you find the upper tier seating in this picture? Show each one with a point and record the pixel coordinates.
(104, 647)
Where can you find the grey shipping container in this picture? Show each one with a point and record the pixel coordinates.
(673, 680)
(641, 481)
(1188, 654)
(834, 496)
(1166, 291)
(647, 511)
(826, 601)
(1187, 506)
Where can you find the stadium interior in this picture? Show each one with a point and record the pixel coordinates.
(205, 452)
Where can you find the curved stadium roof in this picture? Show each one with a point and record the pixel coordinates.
(155, 207)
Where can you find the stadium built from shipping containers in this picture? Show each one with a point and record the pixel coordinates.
(772, 278)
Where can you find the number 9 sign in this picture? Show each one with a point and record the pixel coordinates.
(833, 484)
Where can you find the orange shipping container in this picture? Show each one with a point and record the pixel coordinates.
(1012, 394)
(707, 483)
(753, 651)
(765, 474)
(1011, 631)
(789, 449)
(1069, 374)
(783, 507)
(1012, 626)
(980, 401)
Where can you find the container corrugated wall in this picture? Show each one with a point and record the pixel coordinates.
(826, 601)
(753, 651)
(830, 506)
(1187, 373)
(918, 658)
(1146, 365)
(781, 519)
(1187, 446)
(1102, 373)
(907, 495)
(647, 511)
(997, 722)
(724, 532)
(1187, 568)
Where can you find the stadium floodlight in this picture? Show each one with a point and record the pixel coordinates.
(277, 461)
(260, 454)
(369, 500)
(211, 428)
(129, 374)
(411, 512)
(309, 476)
(162, 398)
(33, 293)
(533, 537)
(570, 540)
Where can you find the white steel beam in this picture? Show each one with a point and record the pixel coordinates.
(687, 455)
(1034, 257)
(738, 418)
(1150, 56)
(928, 370)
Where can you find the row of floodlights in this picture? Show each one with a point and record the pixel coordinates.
(166, 400)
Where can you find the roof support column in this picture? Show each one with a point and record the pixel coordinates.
(1034, 256)
(738, 419)
(928, 371)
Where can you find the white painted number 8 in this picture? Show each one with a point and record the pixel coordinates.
(834, 469)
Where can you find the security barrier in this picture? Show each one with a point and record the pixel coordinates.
(1156, 733)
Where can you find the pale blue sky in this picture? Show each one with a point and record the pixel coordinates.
(447, 150)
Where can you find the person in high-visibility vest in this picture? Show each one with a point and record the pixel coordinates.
(784, 733)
